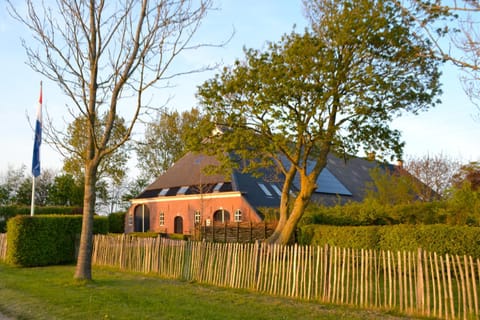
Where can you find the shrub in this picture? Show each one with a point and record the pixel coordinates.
(369, 213)
(116, 222)
(442, 239)
(45, 239)
(7, 212)
(346, 237)
(149, 234)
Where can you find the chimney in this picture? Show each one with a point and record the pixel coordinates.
(400, 163)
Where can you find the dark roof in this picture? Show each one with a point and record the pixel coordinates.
(343, 179)
(188, 171)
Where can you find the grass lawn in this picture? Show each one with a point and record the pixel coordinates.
(51, 293)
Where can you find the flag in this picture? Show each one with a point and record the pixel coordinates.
(38, 138)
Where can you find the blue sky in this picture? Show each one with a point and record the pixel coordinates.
(450, 128)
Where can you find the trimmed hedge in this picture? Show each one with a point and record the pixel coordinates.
(116, 222)
(442, 239)
(372, 213)
(7, 212)
(46, 239)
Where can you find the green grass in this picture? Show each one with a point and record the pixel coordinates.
(52, 293)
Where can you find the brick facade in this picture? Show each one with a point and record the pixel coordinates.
(178, 214)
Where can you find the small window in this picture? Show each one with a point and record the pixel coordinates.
(182, 190)
(163, 192)
(276, 189)
(264, 189)
(130, 220)
(161, 219)
(218, 187)
(197, 217)
(238, 215)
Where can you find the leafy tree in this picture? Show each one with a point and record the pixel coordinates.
(468, 174)
(17, 187)
(66, 191)
(113, 166)
(4, 195)
(134, 188)
(391, 188)
(105, 56)
(333, 89)
(165, 141)
(463, 205)
(10, 183)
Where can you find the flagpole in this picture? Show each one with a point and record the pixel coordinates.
(36, 149)
(33, 196)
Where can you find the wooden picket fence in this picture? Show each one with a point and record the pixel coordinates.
(3, 246)
(416, 283)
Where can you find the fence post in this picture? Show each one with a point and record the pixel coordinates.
(213, 230)
(251, 231)
(238, 231)
(257, 249)
(420, 284)
(225, 230)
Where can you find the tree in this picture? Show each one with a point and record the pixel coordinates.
(165, 141)
(468, 174)
(134, 188)
(104, 56)
(333, 89)
(435, 171)
(10, 184)
(391, 187)
(458, 21)
(43, 185)
(66, 191)
(111, 171)
(113, 166)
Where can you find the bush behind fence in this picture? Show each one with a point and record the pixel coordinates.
(420, 282)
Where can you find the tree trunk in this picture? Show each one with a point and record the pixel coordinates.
(83, 270)
(289, 220)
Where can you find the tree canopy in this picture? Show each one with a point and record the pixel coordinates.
(333, 88)
(165, 141)
(104, 56)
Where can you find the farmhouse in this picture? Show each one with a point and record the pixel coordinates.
(185, 196)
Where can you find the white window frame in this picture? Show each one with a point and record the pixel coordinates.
(238, 215)
(161, 219)
(197, 217)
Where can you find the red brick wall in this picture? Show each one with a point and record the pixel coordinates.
(185, 207)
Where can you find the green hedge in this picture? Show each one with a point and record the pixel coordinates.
(116, 222)
(372, 213)
(442, 239)
(46, 239)
(7, 212)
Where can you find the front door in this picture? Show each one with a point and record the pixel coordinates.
(141, 222)
(178, 225)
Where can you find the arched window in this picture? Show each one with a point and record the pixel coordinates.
(221, 215)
